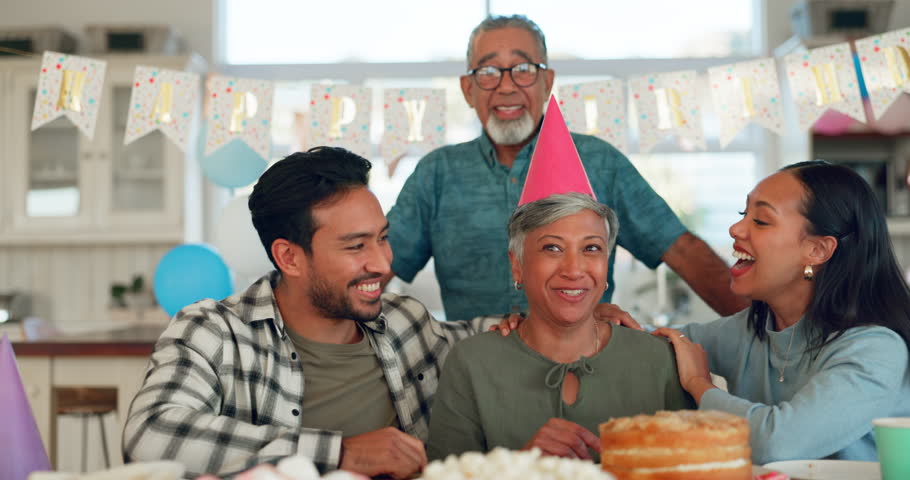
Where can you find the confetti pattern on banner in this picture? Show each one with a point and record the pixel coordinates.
(81, 81)
(667, 104)
(415, 120)
(885, 61)
(597, 108)
(341, 117)
(241, 109)
(808, 71)
(746, 92)
(165, 100)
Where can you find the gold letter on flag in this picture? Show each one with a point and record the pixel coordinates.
(413, 120)
(822, 79)
(245, 106)
(69, 86)
(162, 111)
(71, 91)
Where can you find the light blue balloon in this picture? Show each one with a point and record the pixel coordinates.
(235, 165)
(189, 273)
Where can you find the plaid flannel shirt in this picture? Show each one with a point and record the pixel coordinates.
(224, 388)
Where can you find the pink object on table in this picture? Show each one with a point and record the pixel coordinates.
(771, 476)
(555, 164)
(21, 450)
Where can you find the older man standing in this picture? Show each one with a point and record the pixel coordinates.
(455, 205)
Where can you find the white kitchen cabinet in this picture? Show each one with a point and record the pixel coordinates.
(59, 186)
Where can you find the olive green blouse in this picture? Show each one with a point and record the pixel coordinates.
(497, 392)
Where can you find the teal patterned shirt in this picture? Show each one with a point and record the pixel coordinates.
(455, 207)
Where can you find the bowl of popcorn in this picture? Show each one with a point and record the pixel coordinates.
(503, 464)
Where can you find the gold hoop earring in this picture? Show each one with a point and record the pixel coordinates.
(808, 273)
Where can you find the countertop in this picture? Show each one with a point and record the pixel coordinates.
(136, 340)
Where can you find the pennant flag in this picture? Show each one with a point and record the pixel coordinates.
(163, 100)
(597, 108)
(885, 63)
(555, 164)
(667, 104)
(240, 109)
(341, 117)
(824, 78)
(21, 450)
(69, 85)
(415, 120)
(746, 92)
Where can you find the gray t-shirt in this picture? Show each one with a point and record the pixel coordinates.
(497, 392)
(344, 388)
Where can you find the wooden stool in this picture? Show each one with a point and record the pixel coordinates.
(87, 402)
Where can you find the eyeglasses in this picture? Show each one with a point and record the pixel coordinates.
(489, 77)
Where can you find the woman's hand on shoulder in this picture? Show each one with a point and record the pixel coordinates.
(610, 312)
(691, 362)
(563, 438)
(507, 324)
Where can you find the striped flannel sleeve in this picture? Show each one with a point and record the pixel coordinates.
(461, 329)
(184, 412)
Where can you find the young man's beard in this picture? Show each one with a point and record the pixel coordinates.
(334, 303)
(510, 132)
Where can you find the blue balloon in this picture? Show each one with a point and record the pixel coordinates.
(189, 273)
(234, 165)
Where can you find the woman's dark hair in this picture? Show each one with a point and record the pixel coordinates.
(283, 199)
(861, 284)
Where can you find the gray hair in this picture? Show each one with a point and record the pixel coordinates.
(545, 211)
(496, 22)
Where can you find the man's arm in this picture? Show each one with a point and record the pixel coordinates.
(182, 412)
(693, 260)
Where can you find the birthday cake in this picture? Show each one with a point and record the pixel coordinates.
(681, 445)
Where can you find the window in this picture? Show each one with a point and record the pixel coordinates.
(293, 31)
(593, 29)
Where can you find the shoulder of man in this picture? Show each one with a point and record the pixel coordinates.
(403, 311)
(451, 153)
(208, 320)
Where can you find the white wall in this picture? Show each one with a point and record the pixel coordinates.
(194, 19)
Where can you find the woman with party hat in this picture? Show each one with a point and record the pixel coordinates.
(551, 381)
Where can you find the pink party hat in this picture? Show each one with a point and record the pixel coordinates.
(555, 164)
(21, 450)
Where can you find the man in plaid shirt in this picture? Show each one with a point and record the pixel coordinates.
(226, 385)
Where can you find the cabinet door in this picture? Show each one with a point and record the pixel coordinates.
(143, 181)
(49, 168)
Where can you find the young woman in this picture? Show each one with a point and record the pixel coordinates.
(824, 348)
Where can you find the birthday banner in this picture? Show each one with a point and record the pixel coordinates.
(824, 78)
(746, 92)
(415, 120)
(71, 86)
(597, 108)
(164, 100)
(341, 117)
(240, 109)
(885, 65)
(667, 104)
